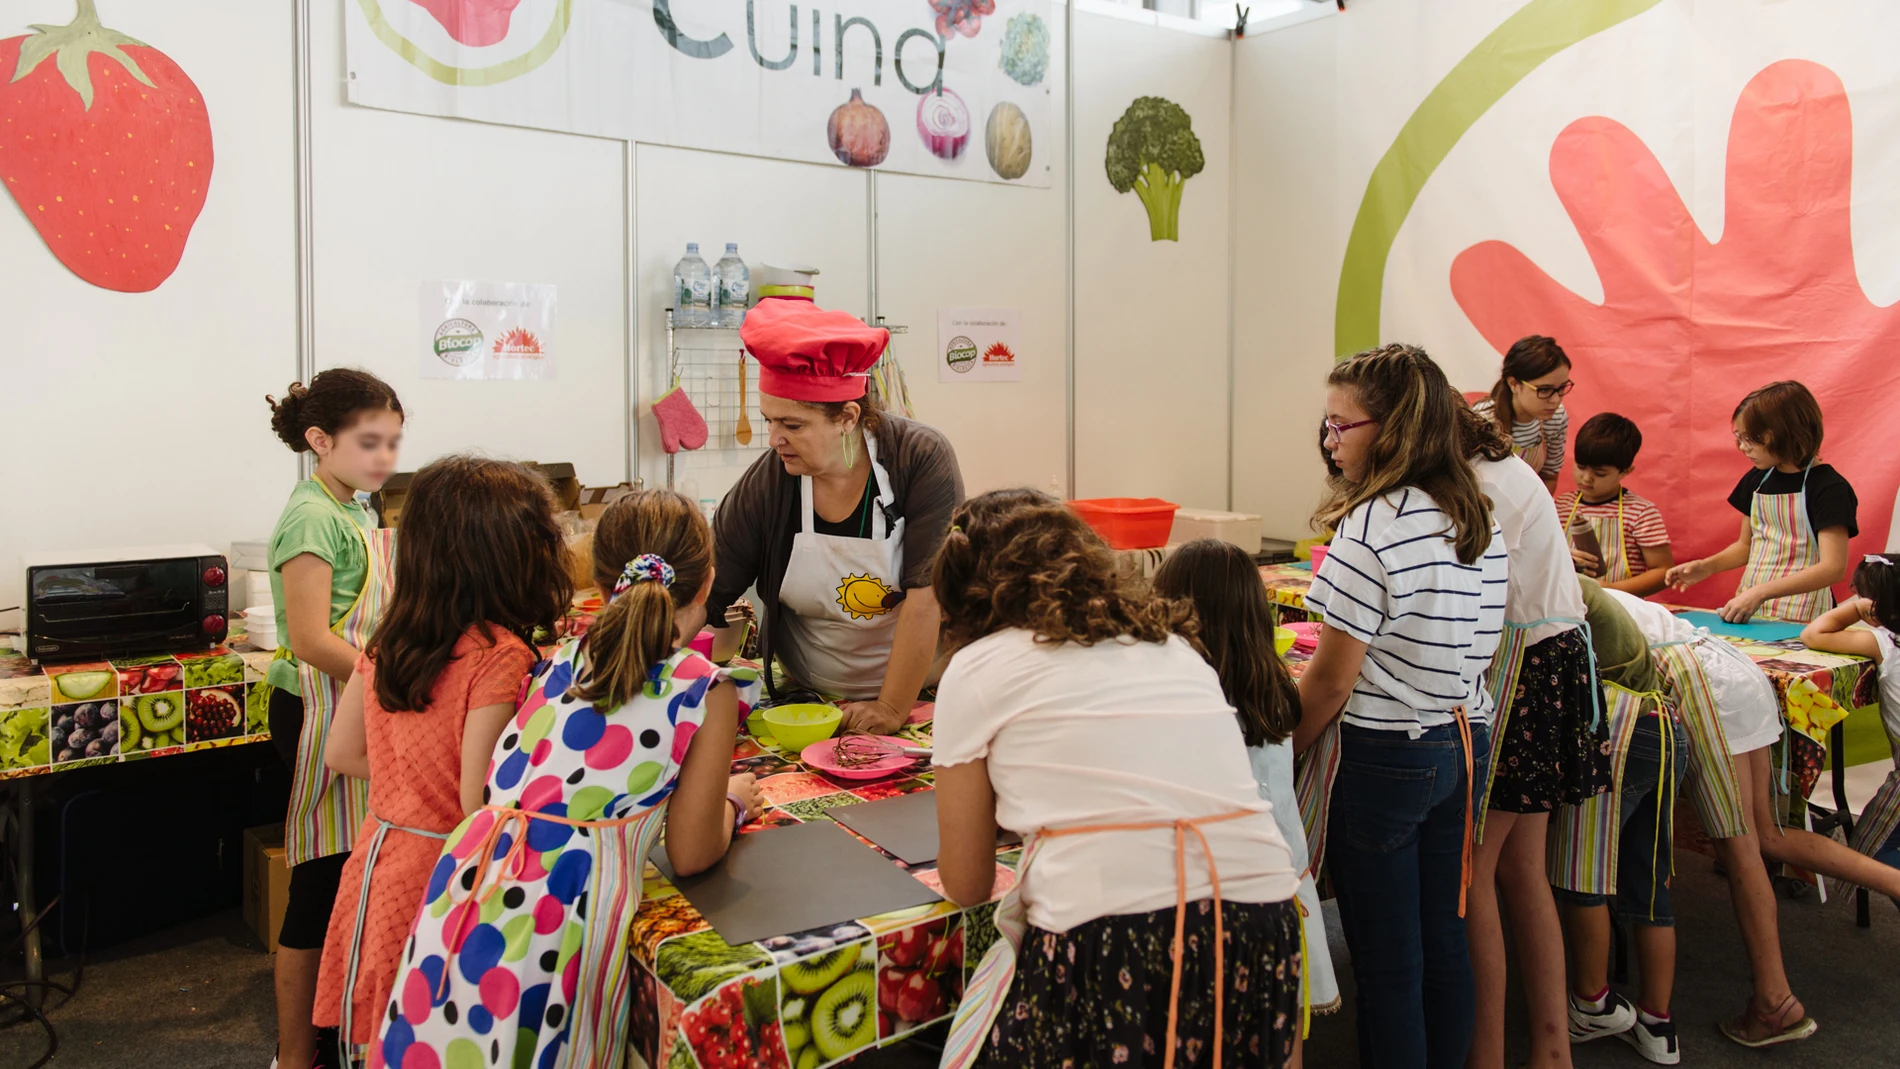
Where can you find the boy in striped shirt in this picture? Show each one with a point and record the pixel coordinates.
(1626, 527)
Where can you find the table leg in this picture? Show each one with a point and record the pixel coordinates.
(1837, 760)
(20, 799)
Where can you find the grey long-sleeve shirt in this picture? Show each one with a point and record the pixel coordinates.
(757, 519)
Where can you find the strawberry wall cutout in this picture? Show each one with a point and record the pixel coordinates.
(1687, 325)
(105, 144)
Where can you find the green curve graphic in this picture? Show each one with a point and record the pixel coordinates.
(549, 44)
(1539, 30)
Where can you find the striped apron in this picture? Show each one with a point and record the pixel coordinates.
(1882, 815)
(1780, 543)
(1501, 680)
(346, 1022)
(326, 809)
(990, 982)
(1583, 838)
(1712, 786)
(1615, 566)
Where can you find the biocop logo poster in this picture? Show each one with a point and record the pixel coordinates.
(487, 330)
(978, 345)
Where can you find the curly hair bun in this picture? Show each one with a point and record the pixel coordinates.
(285, 417)
(335, 399)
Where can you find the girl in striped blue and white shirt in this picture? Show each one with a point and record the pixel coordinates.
(1527, 404)
(1412, 596)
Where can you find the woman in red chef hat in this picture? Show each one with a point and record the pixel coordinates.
(838, 524)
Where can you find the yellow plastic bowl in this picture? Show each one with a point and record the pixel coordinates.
(798, 726)
(1283, 640)
(755, 724)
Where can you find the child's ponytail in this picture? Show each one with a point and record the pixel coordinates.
(633, 633)
(652, 557)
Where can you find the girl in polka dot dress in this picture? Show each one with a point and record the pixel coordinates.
(519, 952)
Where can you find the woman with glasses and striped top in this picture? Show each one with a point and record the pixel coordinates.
(1527, 403)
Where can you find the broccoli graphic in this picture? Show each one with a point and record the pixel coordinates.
(1153, 150)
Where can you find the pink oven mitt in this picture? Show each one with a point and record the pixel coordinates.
(681, 425)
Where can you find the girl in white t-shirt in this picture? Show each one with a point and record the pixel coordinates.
(1077, 712)
(1412, 598)
(1547, 750)
(1236, 630)
(1877, 834)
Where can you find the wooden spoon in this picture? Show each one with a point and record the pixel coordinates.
(744, 434)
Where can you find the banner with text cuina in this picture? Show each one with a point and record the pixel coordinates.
(948, 88)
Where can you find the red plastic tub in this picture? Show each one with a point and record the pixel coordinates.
(1128, 522)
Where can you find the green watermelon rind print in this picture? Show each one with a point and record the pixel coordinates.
(1520, 44)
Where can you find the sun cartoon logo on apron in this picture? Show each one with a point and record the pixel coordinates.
(864, 596)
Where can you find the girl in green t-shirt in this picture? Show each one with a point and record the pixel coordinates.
(329, 579)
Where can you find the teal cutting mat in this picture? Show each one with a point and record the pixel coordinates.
(1766, 631)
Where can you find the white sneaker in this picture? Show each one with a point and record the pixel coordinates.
(1615, 1018)
(1657, 1041)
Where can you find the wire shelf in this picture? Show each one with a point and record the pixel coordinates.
(710, 364)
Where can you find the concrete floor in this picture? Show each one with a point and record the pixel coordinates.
(199, 996)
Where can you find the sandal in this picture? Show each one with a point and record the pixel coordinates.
(1737, 1029)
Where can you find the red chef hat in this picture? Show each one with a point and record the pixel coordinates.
(808, 354)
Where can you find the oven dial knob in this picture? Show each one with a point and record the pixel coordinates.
(213, 624)
(214, 576)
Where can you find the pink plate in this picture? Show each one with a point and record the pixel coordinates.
(822, 756)
(1307, 635)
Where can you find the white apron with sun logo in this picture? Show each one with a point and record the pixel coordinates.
(841, 594)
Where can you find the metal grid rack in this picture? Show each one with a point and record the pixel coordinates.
(710, 364)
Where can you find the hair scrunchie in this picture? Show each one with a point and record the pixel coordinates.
(646, 568)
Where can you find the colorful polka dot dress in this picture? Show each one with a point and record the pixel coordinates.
(521, 960)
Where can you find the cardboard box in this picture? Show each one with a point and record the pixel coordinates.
(566, 486)
(595, 499)
(266, 882)
(388, 501)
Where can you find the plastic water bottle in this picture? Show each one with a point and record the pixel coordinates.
(692, 290)
(732, 289)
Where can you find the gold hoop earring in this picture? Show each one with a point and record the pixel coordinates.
(850, 445)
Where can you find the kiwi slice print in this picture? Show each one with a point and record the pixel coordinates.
(814, 974)
(845, 1018)
(159, 713)
(129, 729)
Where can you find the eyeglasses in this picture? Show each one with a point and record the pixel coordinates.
(1745, 439)
(1338, 430)
(1545, 393)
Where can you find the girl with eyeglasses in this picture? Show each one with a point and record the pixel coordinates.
(1412, 597)
(1797, 513)
(1527, 403)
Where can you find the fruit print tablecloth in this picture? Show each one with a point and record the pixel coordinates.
(1817, 690)
(814, 998)
(53, 719)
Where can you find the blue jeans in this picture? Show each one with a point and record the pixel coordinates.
(1889, 854)
(1395, 848)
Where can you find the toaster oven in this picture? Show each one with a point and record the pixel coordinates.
(94, 605)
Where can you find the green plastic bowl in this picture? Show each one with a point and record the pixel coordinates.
(1283, 640)
(755, 724)
(798, 726)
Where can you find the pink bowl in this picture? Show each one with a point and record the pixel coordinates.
(1319, 558)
